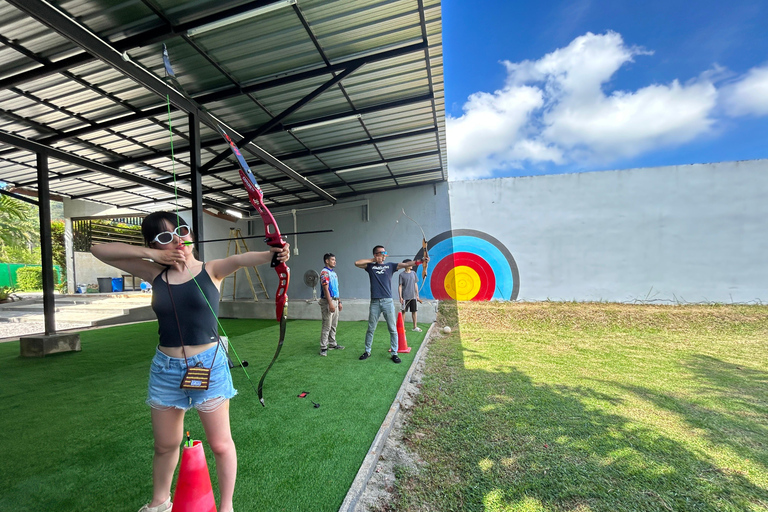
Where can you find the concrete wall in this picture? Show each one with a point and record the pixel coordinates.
(693, 233)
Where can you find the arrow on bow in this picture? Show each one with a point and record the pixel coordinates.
(190, 242)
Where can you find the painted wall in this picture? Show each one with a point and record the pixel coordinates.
(693, 233)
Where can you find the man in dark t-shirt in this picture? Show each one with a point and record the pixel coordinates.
(380, 274)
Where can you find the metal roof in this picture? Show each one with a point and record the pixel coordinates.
(327, 99)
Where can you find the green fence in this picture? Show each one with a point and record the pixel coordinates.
(8, 273)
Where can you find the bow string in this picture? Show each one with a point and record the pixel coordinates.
(424, 248)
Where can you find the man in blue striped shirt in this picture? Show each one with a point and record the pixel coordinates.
(330, 305)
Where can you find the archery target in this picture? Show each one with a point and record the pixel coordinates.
(465, 264)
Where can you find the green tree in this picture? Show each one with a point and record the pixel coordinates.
(14, 215)
(20, 232)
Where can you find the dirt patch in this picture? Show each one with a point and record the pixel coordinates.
(379, 490)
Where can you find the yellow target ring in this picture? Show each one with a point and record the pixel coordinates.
(462, 283)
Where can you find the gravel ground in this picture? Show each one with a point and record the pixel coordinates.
(10, 331)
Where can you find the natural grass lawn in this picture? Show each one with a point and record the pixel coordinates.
(587, 407)
(75, 432)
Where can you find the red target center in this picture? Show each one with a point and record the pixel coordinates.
(457, 259)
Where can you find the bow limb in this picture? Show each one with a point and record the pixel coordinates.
(425, 249)
(425, 263)
(273, 238)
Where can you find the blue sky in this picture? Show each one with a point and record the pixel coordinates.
(584, 85)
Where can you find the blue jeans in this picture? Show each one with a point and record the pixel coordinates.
(379, 306)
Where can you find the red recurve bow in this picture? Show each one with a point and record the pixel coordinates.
(273, 239)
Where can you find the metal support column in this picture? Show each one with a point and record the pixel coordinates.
(46, 248)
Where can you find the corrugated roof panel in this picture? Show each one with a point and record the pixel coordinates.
(350, 157)
(16, 102)
(278, 144)
(414, 164)
(345, 28)
(374, 185)
(408, 146)
(241, 112)
(262, 48)
(33, 35)
(331, 135)
(114, 17)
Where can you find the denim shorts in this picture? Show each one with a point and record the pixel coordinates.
(165, 376)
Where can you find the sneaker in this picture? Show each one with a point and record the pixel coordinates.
(336, 347)
(163, 507)
(323, 353)
(416, 329)
(395, 359)
(365, 355)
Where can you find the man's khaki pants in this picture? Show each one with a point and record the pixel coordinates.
(328, 334)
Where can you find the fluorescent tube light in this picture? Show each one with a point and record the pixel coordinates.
(240, 17)
(234, 213)
(325, 123)
(371, 166)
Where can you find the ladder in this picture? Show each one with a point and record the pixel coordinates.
(236, 237)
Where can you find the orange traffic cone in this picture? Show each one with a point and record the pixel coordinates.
(402, 343)
(193, 487)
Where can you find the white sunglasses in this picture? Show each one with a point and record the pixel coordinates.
(166, 237)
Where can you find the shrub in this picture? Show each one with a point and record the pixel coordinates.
(31, 278)
(5, 292)
(58, 247)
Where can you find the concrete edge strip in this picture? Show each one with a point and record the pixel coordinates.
(368, 466)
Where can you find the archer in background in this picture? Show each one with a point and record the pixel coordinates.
(330, 305)
(185, 299)
(380, 274)
(408, 290)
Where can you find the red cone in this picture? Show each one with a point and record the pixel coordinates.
(193, 487)
(402, 343)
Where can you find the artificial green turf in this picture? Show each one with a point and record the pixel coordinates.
(75, 432)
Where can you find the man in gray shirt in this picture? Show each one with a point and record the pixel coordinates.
(409, 293)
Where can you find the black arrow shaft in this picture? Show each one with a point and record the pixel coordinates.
(261, 236)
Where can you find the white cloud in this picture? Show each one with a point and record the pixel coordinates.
(748, 95)
(626, 124)
(478, 139)
(555, 110)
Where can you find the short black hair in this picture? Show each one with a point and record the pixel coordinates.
(154, 224)
(377, 247)
(328, 256)
(406, 260)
